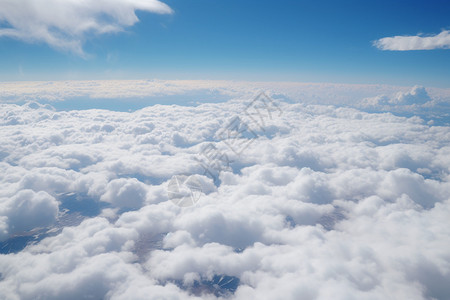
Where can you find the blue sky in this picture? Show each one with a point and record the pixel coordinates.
(310, 41)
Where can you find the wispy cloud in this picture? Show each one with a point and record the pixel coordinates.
(64, 25)
(415, 42)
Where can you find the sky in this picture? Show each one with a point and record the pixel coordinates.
(307, 41)
(199, 149)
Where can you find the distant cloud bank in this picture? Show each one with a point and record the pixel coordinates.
(415, 42)
(205, 90)
(64, 25)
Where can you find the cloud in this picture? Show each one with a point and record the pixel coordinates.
(131, 95)
(129, 193)
(416, 42)
(326, 201)
(417, 96)
(26, 211)
(65, 25)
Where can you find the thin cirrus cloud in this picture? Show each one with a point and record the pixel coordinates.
(415, 42)
(64, 25)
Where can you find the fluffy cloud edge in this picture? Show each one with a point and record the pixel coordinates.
(31, 22)
(414, 42)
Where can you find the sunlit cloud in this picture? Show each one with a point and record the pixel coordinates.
(415, 42)
(65, 25)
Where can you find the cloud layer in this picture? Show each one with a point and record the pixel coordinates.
(65, 25)
(195, 91)
(326, 202)
(415, 42)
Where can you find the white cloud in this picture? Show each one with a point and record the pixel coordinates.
(327, 202)
(65, 25)
(25, 211)
(415, 42)
(417, 96)
(129, 193)
(135, 94)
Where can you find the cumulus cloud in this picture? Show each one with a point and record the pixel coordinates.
(129, 193)
(25, 211)
(65, 25)
(326, 202)
(417, 96)
(415, 42)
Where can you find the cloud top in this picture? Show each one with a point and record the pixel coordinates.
(64, 25)
(325, 202)
(415, 42)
